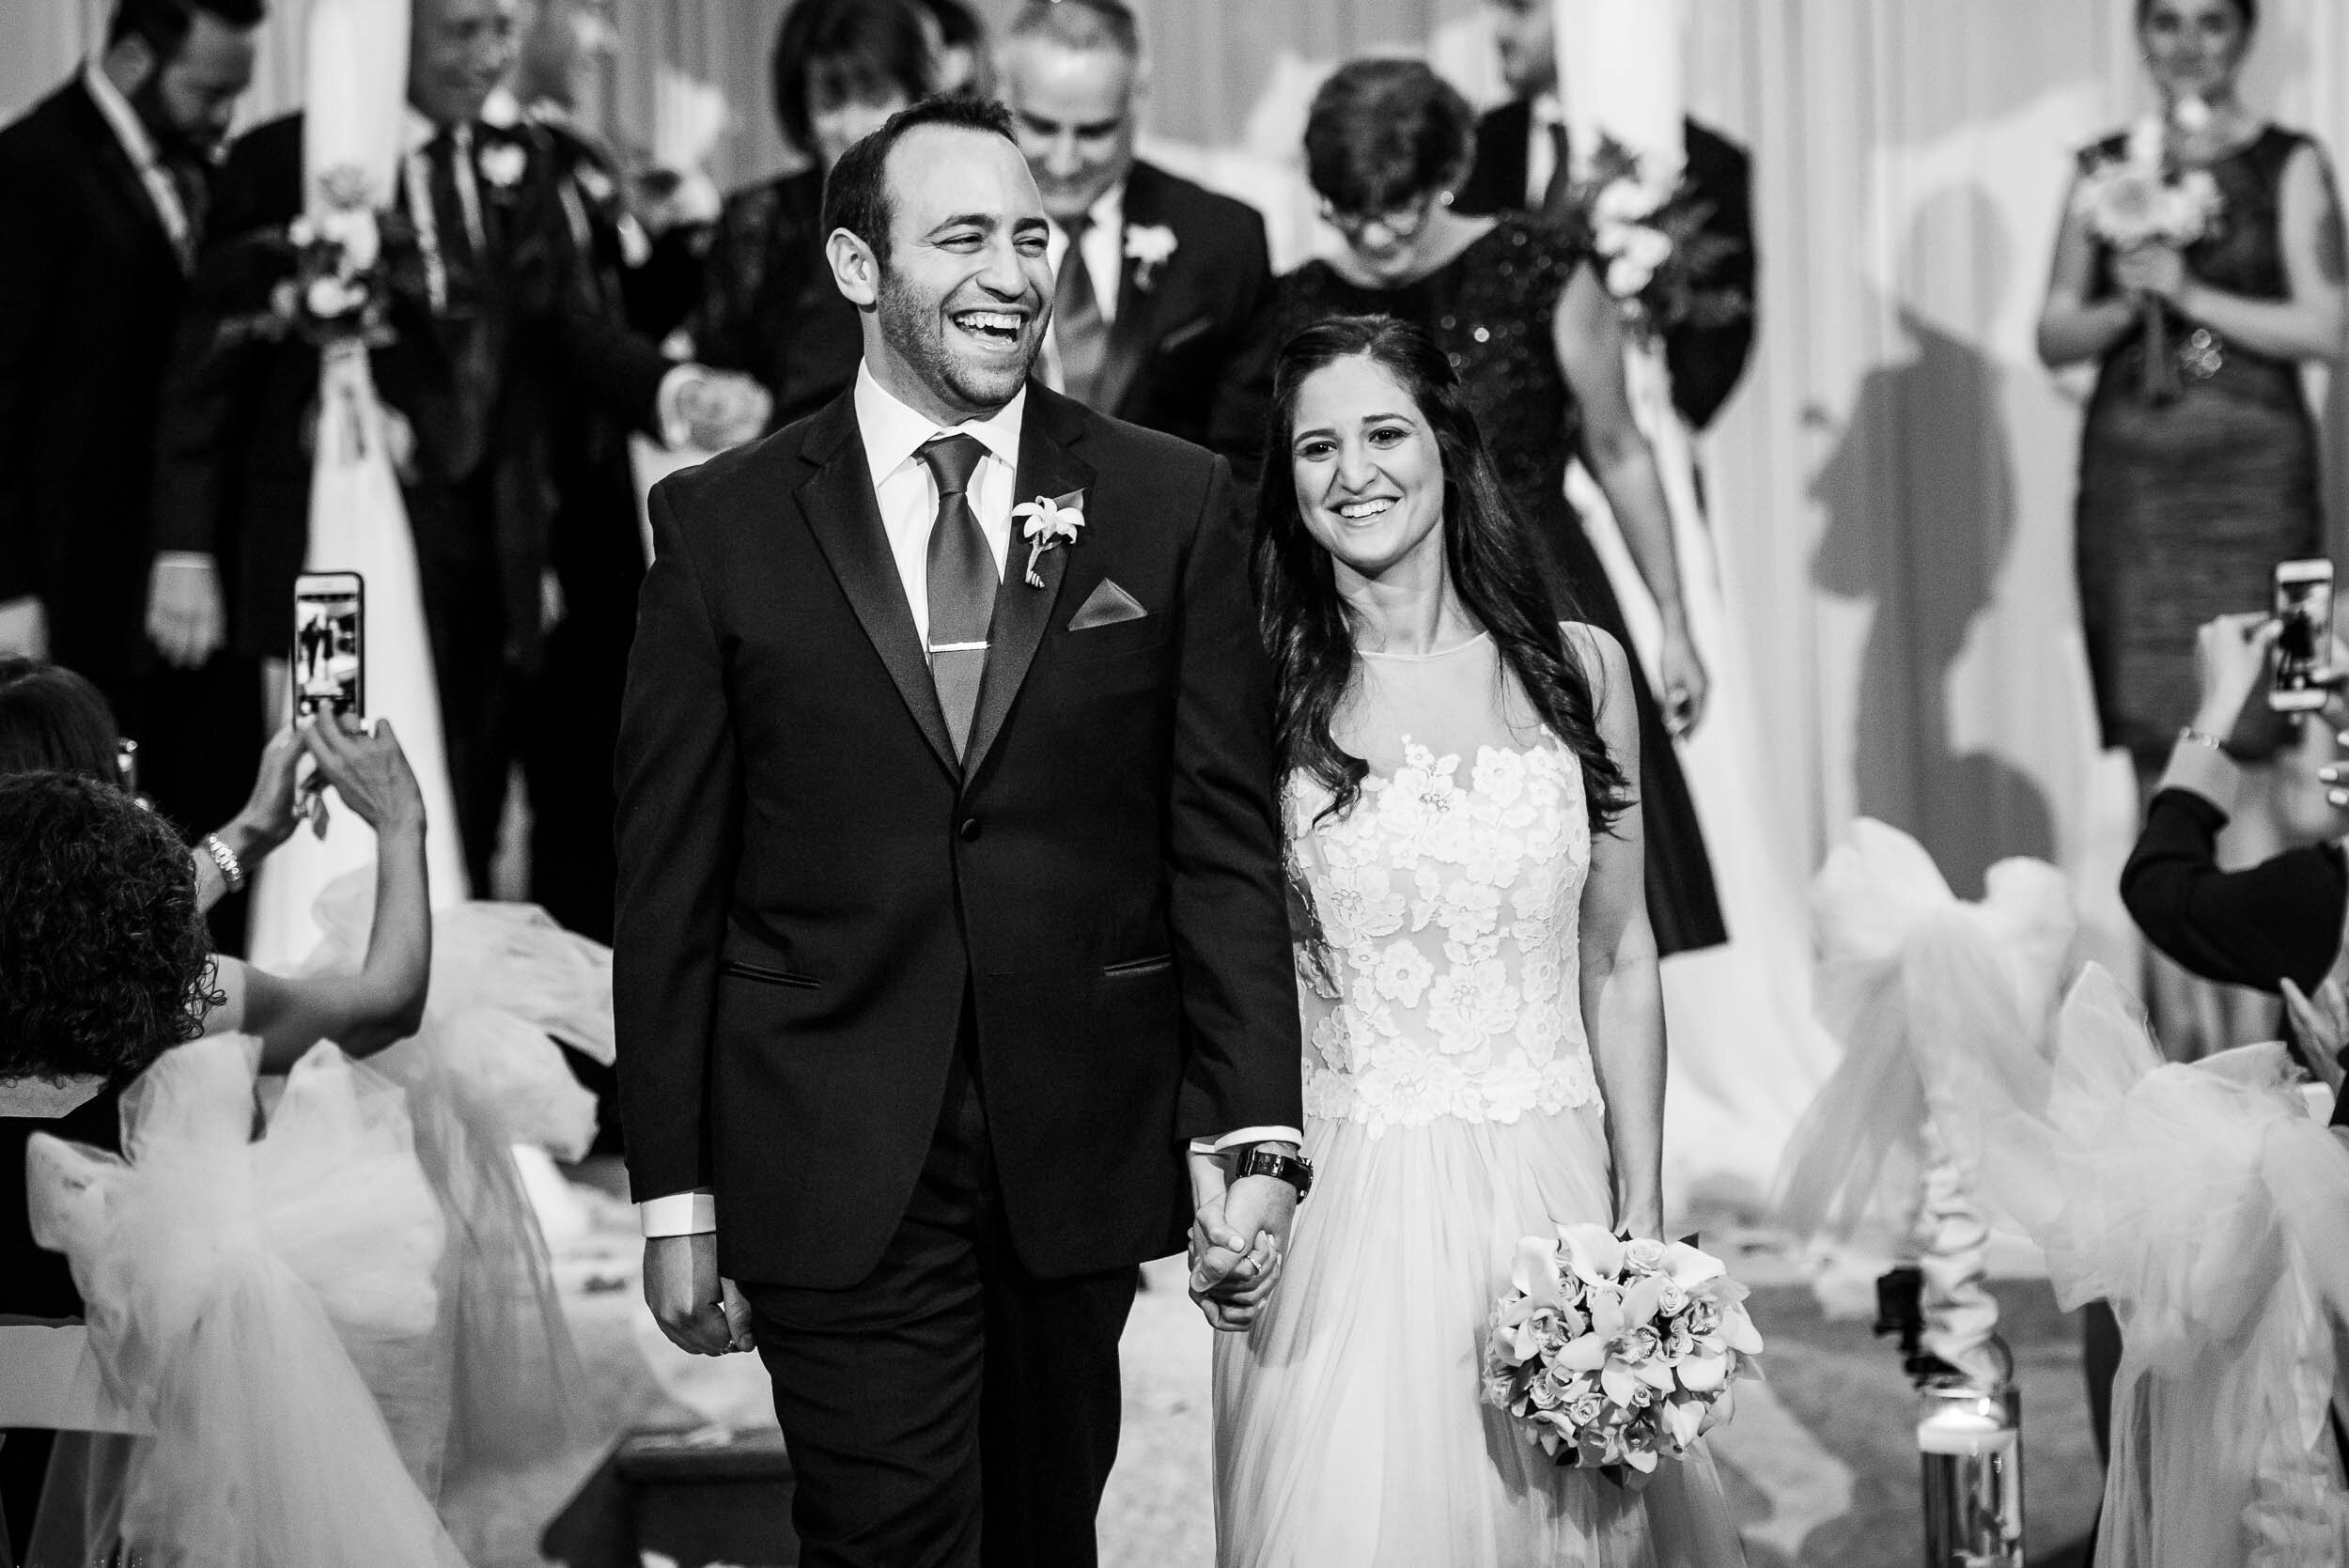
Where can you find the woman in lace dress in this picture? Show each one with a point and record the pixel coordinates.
(1478, 985)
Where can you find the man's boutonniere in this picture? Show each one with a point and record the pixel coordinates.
(502, 164)
(1148, 248)
(1049, 522)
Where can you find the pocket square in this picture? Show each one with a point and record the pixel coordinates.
(1107, 605)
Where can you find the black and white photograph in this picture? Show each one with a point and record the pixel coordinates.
(1174, 784)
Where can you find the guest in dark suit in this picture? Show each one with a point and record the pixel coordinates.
(106, 188)
(1522, 161)
(768, 305)
(1157, 279)
(468, 373)
(595, 547)
(951, 908)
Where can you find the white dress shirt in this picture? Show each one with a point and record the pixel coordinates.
(1105, 264)
(140, 148)
(907, 496)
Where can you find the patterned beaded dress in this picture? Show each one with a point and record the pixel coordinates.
(1451, 1107)
(1490, 309)
(2184, 507)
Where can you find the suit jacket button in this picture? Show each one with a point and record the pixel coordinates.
(969, 831)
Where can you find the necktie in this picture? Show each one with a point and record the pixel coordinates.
(195, 198)
(962, 582)
(1560, 195)
(1076, 325)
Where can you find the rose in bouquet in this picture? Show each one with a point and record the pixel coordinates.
(338, 270)
(1656, 256)
(2142, 197)
(1613, 1353)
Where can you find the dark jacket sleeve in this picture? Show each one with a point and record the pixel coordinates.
(30, 261)
(208, 401)
(1227, 904)
(2279, 920)
(677, 828)
(1707, 361)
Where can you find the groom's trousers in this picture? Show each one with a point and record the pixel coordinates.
(951, 1408)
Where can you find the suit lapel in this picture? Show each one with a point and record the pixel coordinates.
(843, 514)
(1134, 333)
(1046, 466)
(122, 175)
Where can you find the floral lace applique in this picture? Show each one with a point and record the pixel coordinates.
(1450, 913)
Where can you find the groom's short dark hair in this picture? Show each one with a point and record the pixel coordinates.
(163, 24)
(856, 193)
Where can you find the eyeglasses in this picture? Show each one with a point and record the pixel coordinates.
(1402, 225)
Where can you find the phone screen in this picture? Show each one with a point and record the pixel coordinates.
(2304, 613)
(329, 644)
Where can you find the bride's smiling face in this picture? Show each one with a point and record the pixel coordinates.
(1369, 475)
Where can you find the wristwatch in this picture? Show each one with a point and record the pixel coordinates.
(1260, 1160)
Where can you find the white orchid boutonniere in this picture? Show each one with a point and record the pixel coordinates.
(1050, 521)
(502, 164)
(1149, 247)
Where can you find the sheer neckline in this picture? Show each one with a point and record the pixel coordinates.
(1426, 657)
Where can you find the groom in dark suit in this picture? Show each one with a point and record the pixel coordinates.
(950, 905)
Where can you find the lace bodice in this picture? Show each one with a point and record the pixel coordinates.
(1449, 978)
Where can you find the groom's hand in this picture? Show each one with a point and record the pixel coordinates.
(699, 1312)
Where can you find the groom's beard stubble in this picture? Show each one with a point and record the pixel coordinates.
(917, 327)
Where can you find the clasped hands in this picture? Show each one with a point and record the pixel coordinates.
(1239, 1239)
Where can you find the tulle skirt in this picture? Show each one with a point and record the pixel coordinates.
(1349, 1430)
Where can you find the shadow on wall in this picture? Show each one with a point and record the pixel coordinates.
(1919, 494)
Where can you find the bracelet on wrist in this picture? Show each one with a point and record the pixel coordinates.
(2189, 736)
(231, 869)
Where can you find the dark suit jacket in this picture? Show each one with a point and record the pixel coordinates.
(89, 285)
(810, 887)
(1706, 362)
(233, 465)
(1172, 342)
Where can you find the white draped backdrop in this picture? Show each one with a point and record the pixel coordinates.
(1894, 482)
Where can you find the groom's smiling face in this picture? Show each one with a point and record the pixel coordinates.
(965, 287)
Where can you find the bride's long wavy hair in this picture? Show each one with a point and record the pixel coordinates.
(1494, 564)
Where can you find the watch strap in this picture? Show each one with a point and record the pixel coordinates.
(1293, 1169)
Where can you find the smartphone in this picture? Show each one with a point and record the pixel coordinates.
(330, 642)
(2304, 607)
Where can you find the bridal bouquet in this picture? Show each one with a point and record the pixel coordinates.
(1613, 1353)
(1655, 253)
(345, 262)
(2141, 197)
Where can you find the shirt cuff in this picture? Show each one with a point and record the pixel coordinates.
(198, 559)
(668, 419)
(1247, 1135)
(678, 1214)
(2202, 770)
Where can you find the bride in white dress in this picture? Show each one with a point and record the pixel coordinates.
(1484, 1049)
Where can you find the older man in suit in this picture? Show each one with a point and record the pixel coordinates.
(1156, 278)
(107, 185)
(1523, 162)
